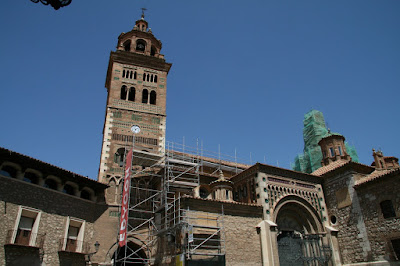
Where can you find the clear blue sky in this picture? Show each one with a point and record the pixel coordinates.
(244, 74)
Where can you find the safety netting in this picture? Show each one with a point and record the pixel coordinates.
(314, 130)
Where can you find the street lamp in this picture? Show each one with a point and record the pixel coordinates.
(89, 256)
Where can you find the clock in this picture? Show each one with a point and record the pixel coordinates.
(135, 129)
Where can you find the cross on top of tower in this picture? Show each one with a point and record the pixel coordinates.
(143, 9)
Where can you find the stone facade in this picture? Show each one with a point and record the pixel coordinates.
(380, 230)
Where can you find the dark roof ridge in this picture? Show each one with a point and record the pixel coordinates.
(49, 164)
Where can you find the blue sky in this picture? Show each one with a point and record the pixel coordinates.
(244, 74)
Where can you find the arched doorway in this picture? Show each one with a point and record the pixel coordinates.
(130, 254)
(301, 239)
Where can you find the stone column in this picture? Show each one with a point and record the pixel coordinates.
(267, 231)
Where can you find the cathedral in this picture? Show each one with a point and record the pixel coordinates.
(161, 203)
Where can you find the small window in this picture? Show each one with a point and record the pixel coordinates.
(117, 114)
(155, 120)
(140, 45)
(74, 237)
(123, 92)
(31, 178)
(155, 78)
(130, 74)
(145, 96)
(227, 194)
(134, 75)
(68, 189)
(123, 73)
(8, 171)
(340, 150)
(127, 46)
(27, 228)
(144, 77)
(137, 117)
(153, 97)
(387, 209)
(203, 193)
(24, 231)
(332, 151)
(153, 51)
(51, 184)
(86, 195)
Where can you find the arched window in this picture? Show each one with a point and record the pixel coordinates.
(8, 171)
(86, 194)
(148, 77)
(123, 73)
(130, 74)
(145, 96)
(140, 45)
(119, 156)
(203, 193)
(31, 178)
(153, 51)
(127, 45)
(123, 92)
(155, 78)
(153, 97)
(134, 75)
(144, 77)
(151, 78)
(68, 189)
(50, 183)
(131, 96)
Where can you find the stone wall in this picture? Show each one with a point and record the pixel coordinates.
(55, 208)
(343, 204)
(242, 243)
(380, 230)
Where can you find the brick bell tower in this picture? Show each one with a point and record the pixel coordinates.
(137, 86)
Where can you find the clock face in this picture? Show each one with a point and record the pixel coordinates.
(135, 129)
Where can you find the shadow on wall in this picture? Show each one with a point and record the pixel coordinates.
(17, 256)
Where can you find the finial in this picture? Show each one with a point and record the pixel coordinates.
(143, 9)
(221, 176)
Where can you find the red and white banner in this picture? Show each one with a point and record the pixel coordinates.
(123, 225)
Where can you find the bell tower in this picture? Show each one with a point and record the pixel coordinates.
(136, 85)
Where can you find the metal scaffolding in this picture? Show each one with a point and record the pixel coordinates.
(157, 216)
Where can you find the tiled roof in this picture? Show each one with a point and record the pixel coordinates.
(330, 167)
(375, 175)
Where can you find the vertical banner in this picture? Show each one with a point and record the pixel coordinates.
(125, 200)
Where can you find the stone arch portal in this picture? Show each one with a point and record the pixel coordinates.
(300, 235)
(130, 254)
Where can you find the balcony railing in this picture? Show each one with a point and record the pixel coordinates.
(25, 238)
(73, 245)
